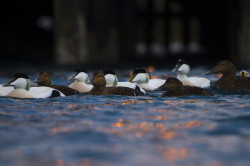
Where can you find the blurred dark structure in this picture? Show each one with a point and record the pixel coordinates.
(68, 32)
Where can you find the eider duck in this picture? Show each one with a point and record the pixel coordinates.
(100, 88)
(112, 81)
(21, 83)
(174, 87)
(81, 83)
(43, 79)
(229, 80)
(142, 78)
(183, 70)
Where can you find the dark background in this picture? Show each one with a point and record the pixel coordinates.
(24, 40)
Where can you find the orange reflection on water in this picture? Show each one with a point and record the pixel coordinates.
(189, 124)
(173, 153)
(120, 123)
(122, 127)
(85, 162)
(131, 101)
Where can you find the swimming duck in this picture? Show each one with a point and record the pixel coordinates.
(174, 87)
(81, 83)
(142, 78)
(229, 80)
(21, 83)
(112, 81)
(100, 88)
(43, 79)
(183, 70)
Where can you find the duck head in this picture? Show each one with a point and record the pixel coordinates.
(223, 67)
(43, 79)
(182, 67)
(110, 76)
(20, 81)
(243, 73)
(98, 79)
(140, 75)
(80, 75)
(173, 85)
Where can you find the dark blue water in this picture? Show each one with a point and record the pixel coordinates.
(85, 130)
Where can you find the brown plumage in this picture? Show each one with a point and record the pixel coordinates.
(174, 87)
(100, 88)
(229, 80)
(44, 79)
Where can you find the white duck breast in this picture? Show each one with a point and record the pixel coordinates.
(182, 75)
(82, 83)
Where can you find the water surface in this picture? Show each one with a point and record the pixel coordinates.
(85, 130)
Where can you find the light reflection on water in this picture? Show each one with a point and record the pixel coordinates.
(149, 130)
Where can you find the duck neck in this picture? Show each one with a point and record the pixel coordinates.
(181, 76)
(98, 89)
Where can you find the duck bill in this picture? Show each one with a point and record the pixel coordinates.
(33, 83)
(210, 72)
(176, 68)
(131, 78)
(72, 76)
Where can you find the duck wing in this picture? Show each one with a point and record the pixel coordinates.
(123, 91)
(241, 83)
(65, 90)
(192, 90)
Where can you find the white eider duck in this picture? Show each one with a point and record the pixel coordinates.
(183, 70)
(142, 78)
(21, 83)
(81, 83)
(100, 88)
(112, 81)
(174, 87)
(43, 79)
(229, 80)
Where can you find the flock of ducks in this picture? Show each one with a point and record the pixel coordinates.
(106, 83)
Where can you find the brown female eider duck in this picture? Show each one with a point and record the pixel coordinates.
(99, 87)
(43, 79)
(229, 80)
(174, 87)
